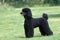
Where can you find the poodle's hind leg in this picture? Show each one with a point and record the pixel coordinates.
(42, 31)
(46, 28)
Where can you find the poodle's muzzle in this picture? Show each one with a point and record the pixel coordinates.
(23, 14)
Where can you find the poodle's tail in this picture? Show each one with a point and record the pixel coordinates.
(45, 16)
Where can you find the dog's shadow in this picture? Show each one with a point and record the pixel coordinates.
(20, 37)
(25, 37)
(37, 36)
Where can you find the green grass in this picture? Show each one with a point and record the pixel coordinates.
(11, 23)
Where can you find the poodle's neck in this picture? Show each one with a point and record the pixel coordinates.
(27, 17)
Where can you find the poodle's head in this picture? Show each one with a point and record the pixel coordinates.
(26, 12)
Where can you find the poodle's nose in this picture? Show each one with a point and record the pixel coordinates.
(21, 13)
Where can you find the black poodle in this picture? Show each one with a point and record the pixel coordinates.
(31, 23)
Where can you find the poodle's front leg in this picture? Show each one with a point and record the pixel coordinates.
(29, 31)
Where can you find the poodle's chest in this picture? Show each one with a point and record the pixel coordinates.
(27, 22)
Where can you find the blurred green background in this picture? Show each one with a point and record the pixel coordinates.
(11, 22)
(30, 3)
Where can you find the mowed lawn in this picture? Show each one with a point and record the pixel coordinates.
(11, 23)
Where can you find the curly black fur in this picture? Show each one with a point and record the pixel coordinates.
(31, 23)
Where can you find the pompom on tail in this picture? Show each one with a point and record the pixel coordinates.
(45, 16)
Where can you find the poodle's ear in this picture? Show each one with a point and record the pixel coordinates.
(29, 13)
